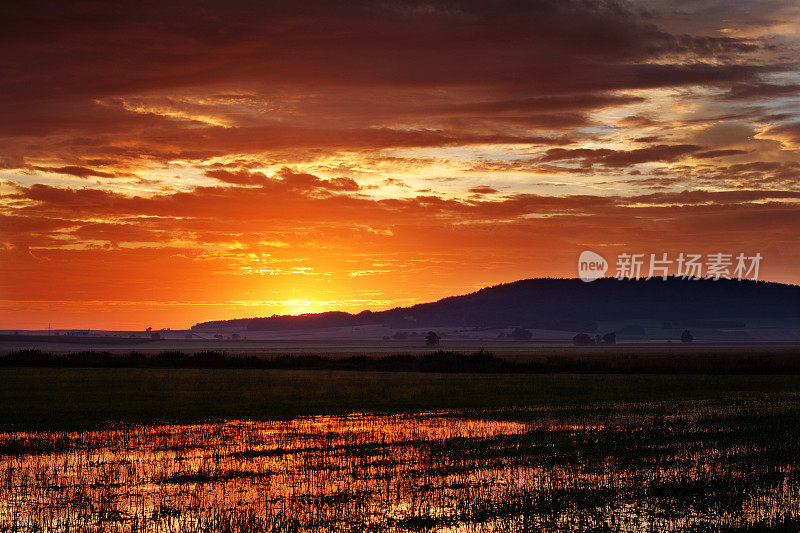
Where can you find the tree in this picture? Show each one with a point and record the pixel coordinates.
(432, 339)
(521, 334)
(610, 338)
(582, 339)
(686, 336)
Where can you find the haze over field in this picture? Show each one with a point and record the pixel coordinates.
(169, 164)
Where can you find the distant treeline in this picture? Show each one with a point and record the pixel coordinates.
(563, 304)
(698, 361)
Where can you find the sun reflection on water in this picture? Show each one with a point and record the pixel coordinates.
(442, 471)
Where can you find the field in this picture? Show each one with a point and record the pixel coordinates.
(646, 334)
(55, 399)
(145, 449)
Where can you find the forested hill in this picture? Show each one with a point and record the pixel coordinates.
(567, 304)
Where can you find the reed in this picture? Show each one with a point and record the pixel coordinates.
(722, 465)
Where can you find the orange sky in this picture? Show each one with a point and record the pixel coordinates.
(165, 165)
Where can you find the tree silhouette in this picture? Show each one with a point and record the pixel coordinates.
(432, 339)
(687, 336)
(610, 338)
(582, 339)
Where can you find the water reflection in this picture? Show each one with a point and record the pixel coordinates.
(624, 469)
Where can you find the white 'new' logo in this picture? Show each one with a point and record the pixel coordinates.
(591, 266)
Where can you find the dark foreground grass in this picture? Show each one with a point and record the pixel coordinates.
(719, 465)
(783, 359)
(33, 399)
(513, 452)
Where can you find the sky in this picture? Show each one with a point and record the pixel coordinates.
(166, 163)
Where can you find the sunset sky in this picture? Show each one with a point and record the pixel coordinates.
(165, 163)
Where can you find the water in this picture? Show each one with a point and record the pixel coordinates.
(621, 468)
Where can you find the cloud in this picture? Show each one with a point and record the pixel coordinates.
(637, 121)
(761, 91)
(81, 172)
(620, 158)
(292, 199)
(184, 83)
(238, 177)
(191, 242)
(483, 189)
(718, 153)
(787, 135)
(305, 181)
(286, 177)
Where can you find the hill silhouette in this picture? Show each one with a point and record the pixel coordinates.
(564, 304)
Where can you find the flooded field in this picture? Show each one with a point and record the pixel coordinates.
(647, 466)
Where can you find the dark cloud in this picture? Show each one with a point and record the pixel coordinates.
(138, 82)
(292, 198)
(238, 177)
(483, 189)
(620, 158)
(719, 153)
(305, 181)
(638, 121)
(540, 104)
(170, 46)
(81, 172)
(284, 178)
(761, 91)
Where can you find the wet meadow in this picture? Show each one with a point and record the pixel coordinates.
(297, 450)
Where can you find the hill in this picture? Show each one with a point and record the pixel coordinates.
(564, 304)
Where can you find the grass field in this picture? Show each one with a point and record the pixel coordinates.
(86, 398)
(256, 451)
(421, 452)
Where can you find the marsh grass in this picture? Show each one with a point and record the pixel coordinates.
(779, 359)
(721, 465)
(58, 399)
